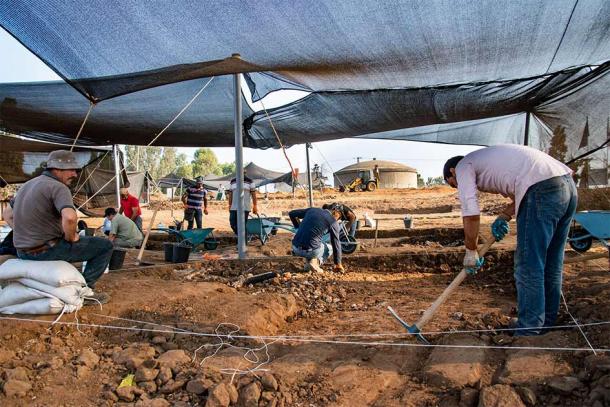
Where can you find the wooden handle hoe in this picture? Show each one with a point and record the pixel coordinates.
(150, 225)
(416, 328)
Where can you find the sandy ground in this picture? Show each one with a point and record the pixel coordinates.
(339, 346)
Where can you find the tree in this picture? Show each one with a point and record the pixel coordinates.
(420, 181)
(227, 168)
(144, 159)
(558, 148)
(183, 168)
(435, 181)
(204, 162)
(168, 161)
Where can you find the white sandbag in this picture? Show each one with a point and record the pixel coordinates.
(40, 306)
(56, 273)
(17, 293)
(69, 294)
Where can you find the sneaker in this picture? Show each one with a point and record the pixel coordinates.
(313, 265)
(96, 299)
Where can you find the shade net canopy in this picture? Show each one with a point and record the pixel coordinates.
(54, 111)
(108, 48)
(252, 171)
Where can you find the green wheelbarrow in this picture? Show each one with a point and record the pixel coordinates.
(195, 237)
(262, 227)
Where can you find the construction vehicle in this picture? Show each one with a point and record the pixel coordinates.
(365, 181)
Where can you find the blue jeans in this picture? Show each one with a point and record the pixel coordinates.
(543, 223)
(190, 213)
(322, 253)
(233, 219)
(96, 251)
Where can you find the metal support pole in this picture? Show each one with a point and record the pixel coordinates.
(526, 135)
(239, 168)
(117, 173)
(309, 177)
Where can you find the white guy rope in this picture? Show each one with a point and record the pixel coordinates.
(91, 105)
(565, 304)
(181, 111)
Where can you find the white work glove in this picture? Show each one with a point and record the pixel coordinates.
(472, 261)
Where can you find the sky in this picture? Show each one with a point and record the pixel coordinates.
(20, 65)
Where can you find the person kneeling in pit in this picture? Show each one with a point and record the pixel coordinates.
(123, 231)
(45, 222)
(308, 242)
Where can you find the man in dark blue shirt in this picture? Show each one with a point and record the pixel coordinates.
(297, 215)
(309, 242)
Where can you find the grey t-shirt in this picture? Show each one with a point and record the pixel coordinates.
(124, 228)
(37, 211)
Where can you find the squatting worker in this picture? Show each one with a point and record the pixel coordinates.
(297, 215)
(45, 222)
(193, 199)
(130, 207)
(249, 202)
(123, 231)
(544, 200)
(309, 240)
(347, 215)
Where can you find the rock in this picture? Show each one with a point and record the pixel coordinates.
(249, 395)
(499, 395)
(469, 397)
(18, 388)
(272, 403)
(144, 374)
(110, 395)
(173, 358)
(6, 355)
(564, 385)
(18, 373)
(199, 385)
(172, 386)
(218, 397)
(165, 374)
(169, 346)
(82, 372)
(126, 393)
(157, 402)
(452, 368)
(88, 358)
(233, 394)
(527, 395)
(158, 340)
(133, 356)
(524, 367)
(269, 382)
(148, 387)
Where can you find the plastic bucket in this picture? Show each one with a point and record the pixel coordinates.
(117, 259)
(408, 222)
(181, 253)
(168, 247)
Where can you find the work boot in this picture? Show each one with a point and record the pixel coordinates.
(96, 299)
(313, 265)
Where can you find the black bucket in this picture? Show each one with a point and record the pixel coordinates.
(181, 253)
(168, 247)
(117, 259)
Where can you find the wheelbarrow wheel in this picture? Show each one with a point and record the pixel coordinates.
(349, 246)
(581, 245)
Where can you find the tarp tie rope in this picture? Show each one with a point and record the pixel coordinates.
(181, 111)
(565, 30)
(96, 192)
(277, 136)
(565, 304)
(91, 105)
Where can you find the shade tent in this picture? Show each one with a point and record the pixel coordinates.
(173, 181)
(325, 45)
(252, 171)
(462, 72)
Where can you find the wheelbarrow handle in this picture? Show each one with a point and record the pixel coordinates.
(429, 313)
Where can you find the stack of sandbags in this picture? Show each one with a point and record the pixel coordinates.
(41, 287)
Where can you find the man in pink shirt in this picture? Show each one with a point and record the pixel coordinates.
(544, 201)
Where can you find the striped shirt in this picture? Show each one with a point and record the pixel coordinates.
(194, 197)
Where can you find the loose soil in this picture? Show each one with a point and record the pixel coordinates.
(162, 321)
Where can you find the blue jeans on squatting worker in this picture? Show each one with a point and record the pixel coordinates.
(322, 253)
(96, 251)
(543, 223)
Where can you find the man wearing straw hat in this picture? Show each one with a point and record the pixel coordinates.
(45, 222)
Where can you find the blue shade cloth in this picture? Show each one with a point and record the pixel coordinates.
(106, 48)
